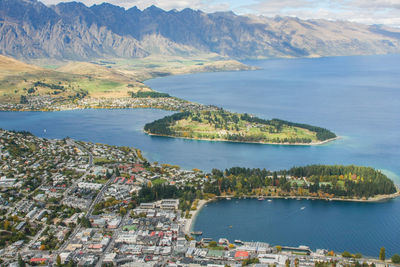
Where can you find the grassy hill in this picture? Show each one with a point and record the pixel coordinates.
(111, 78)
(18, 78)
(227, 126)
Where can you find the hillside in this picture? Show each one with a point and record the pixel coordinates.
(222, 125)
(31, 30)
(75, 80)
(10, 66)
(99, 79)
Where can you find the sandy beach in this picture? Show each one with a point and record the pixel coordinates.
(189, 222)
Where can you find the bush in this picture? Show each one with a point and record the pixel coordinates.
(213, 244)
(396, 258)
(347, 254)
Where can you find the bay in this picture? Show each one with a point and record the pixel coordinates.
(356, 97)
(333, 225)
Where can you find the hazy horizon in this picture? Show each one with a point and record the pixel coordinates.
(384, 12)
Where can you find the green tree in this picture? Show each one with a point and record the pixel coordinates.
(213, 244)
(382, 254)
(21, 263)
(122, 211)
(287, 263)
(396, 258)
(346, 254)
(6, 225)
(58, 260)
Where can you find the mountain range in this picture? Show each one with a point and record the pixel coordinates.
(31, 30)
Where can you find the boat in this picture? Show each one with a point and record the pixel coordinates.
(269, 200)
(237, 241)
(261, 198)
(230, 226)
(302, 208)
(196, 233)
(228, 198)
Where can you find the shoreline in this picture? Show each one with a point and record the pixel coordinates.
(85, 108)
(190, 222)
(375, 199)
(249, 142)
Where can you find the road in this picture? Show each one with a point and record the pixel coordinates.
(110, 245)
(33, 240)
(83, 149)
(73, 143)
(98, 198)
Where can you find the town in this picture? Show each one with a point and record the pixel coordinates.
(72, 203)
(54, 103)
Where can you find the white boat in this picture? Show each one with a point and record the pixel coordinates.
(228, 198)
(302, 208)
(269, 200)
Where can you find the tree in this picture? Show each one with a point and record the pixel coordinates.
(21, 263)
(6, 225)
(213, 244)
(382, 254)
(122, 211)
(85, 222)
(287, 263)
(346, 254)
(58, 260)
(279, 248)
(396, 258)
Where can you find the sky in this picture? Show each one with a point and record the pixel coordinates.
(363, 11)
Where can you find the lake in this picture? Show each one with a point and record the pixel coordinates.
(352, 226)
(358, 98)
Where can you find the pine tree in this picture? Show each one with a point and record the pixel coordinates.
(21, 263)
(58, 260)
(382, 254)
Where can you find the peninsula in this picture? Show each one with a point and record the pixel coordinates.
(222, 125)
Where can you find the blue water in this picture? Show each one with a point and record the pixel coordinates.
(338, 226)
(356, 97)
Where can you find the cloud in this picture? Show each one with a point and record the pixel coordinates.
(363, 11)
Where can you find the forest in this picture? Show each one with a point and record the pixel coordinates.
(322, 180)
(149, 94)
